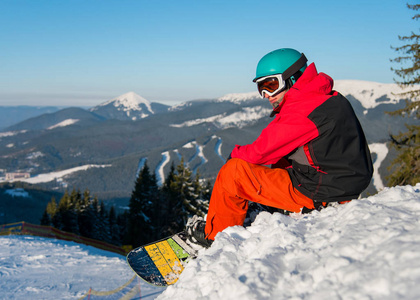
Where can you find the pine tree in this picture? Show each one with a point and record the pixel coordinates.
(122, 222)
(140, 227)
(86, 215)
(170, 204)
(67, 210)
(104, 233)
(185, 198)
(157, 215)
(45, 219)
(94, 206)
(50, 210)
(406, 167)
(114, 234)
(59, 215)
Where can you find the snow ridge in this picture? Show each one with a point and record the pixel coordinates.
(246, 116)
(239, 97)
(367, 92)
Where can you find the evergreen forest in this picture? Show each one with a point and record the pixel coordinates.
(154, 212)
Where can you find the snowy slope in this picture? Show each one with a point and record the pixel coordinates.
(42, 268)
(366, 249)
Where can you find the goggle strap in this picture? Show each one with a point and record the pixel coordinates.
(295, 67)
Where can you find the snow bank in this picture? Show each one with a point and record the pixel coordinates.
(366, 249)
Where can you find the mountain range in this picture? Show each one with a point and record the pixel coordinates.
(121, 134)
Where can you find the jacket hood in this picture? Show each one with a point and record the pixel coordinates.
(313, 82)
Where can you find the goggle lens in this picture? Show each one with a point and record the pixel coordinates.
(270, 85)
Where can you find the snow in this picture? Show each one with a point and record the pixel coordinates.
(18, 192)
(11, 133)
(129, 101)
(218, 148)
(367, 92)
(365, 249)
(189, 145)
(198, 153)
(180, 106)
(381, 151)
(41, 268)
(245, 116)
(159, 171)
(239, 97)
(64, 123)
(47, 177)
(34, 155)
(140, 165)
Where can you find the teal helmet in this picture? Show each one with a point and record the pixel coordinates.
(285, 61)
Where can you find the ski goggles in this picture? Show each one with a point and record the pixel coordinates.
(270, 85)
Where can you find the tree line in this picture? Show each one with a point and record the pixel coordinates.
(153, 212)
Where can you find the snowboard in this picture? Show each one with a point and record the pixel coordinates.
(161, 263)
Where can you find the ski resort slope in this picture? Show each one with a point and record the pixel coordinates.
(41, 268)
(365, 249)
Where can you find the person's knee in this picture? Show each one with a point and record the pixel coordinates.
(232, 164)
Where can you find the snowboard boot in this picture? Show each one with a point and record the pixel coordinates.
(195, 231)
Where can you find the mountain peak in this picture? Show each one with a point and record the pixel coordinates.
(130, 100)
(129, 105)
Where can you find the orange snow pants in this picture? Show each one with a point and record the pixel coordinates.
(239, 182)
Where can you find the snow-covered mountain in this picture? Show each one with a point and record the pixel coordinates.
(365, 249)
(370, 94)
(146, 131)
(129, 106)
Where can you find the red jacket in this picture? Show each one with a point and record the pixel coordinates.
(316, 130)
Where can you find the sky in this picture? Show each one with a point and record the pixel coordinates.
(86, 52)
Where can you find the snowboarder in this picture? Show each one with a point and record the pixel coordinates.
(315, 146)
